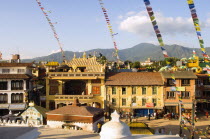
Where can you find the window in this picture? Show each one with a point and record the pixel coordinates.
(154, 101)
(185, 95)
(171, 95)
(206, 81)
(185, 82)
(96, 90)
(144, 91)
(53, 90)
(198, 81)
(123, 101)
(113, 101)
(5, 70)
(206, 93)
(21, 70)
(123, 91)
(170, 82)
(17, 98)
(154, 90)
(144, 101)
(3, 98)
(134, 100)
(113, 90)
(17, 85)
(3, 85)
(133, 90)
(52, 105)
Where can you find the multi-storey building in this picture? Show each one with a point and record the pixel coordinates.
(81, 78)
(136, 92)
(185, 85)
(15, 86)
(202, 92)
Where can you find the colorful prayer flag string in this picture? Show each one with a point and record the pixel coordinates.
(197, 28)
(112, 34)
(52, 27)
(155, 26)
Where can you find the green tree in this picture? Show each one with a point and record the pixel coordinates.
(136, 64)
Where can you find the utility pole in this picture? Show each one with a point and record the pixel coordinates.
(180, 119)
(193, 117)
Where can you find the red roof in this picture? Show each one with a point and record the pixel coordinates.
(134, 78)
(76, 110)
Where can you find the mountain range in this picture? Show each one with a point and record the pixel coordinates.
(138, 52)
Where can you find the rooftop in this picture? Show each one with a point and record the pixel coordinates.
(134, 78)
(179, 74)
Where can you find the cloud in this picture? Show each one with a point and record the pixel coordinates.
(130, 13)
(55, 51)
(140, 24)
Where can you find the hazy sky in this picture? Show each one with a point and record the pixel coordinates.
(81, 25)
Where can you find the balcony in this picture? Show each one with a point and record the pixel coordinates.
(76, 75)
(80, 97)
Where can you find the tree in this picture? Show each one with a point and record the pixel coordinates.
(136, 64)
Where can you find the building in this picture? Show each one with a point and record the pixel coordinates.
(202, 93)
(85, 117)
(137, 92)
(15, 86)
(34, 115)
(81, 78)
(185, 85)
(147, 62)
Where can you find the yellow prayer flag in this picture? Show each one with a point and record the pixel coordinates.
(168, 62)
(190, 1)
(161, 44)
(196, 24)
(185, 128)
(203, 49)
(152, 18)
(197, 28)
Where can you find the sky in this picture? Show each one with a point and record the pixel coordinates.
(81, 25)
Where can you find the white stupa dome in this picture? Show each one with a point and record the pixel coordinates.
(115, 129)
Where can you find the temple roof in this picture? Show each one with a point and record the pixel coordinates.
(83, 62)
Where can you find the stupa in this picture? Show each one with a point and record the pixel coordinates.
(115, 129)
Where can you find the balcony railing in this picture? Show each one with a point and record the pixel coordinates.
(73, 96)
(76, 74)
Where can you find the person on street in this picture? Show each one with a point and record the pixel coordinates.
(99, 127)
(149, 115)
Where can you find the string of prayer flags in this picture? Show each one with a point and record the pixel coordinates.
(155, 26)
(112, 34)
(52, 26)
(197, 28)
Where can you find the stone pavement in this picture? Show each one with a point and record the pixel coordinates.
(13, 132)
(173, 125)
(52, 133)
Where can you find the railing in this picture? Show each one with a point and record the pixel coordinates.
(73, 96)
(76, 74)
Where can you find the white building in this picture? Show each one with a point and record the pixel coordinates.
(147, 62)
(14, 86)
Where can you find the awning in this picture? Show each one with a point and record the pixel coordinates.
(4, 106)
(171, 104)
(187, 106)
(21, 106)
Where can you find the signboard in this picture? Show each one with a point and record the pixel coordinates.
(201, 100)
(177, 88)
(149, 105)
